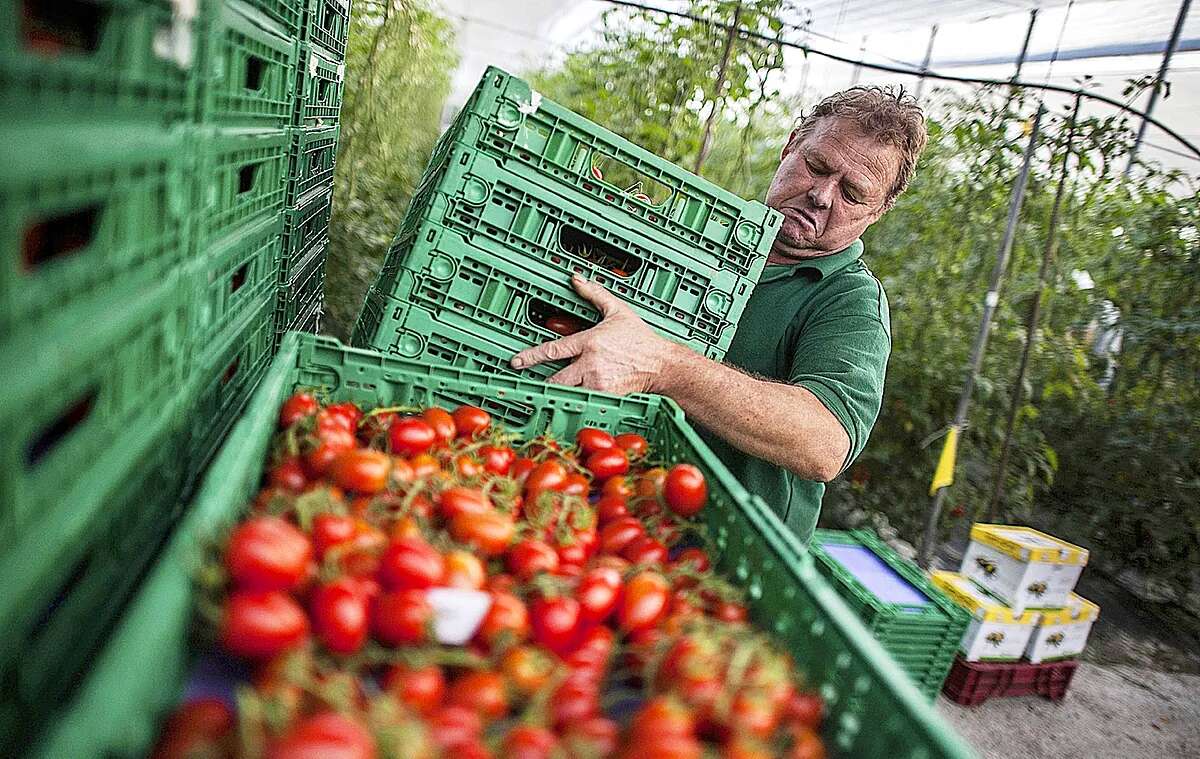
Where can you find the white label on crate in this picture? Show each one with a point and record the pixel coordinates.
(312, 64)
(995, 641)
(184, 9)
(341, 71)
(457, 613)
(535, 102)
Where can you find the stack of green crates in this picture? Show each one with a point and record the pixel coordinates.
(915, 621)
(519, 194)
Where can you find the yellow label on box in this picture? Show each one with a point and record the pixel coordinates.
(1028, 544)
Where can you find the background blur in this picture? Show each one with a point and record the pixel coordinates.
(1105, 444)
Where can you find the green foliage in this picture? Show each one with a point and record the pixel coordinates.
(398, 69)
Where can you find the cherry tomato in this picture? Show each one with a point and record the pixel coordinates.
(262, 624)
(527, 668)
(644, 602)
(607, 463)
(497, 459)
(645, 550)
(598, 592)
(528, 741)
(424, 465)
(619, 533)
(521, 469)
(650, 483)
(807, 709)
(695, 558)
(595, 736)
(548, 475)
(728, 611)
(662, 716)
(442, 423)
(529, 558)
(754, 714)
(329, 530)
(508, 617)
(591, 439)
(203, 727)
(563, 324)
(555, 622)
(745, 747)
(611, 508)
(361, 555)
(411, 563)
(451, 727)
(419, 688)
(574, 701)
(350, 413)
(296, 408)
(489, 533)
(618, 487)
(480, 690)
(633, 444)
(471, 421)
(268, 553)
(461, 500)
(410, 436)
(401, 617)
(333, 439)
(339, 615)
(685, 490)
(806, 745)
(572, 554)
(324, 736)
(467, 466)
(288, 475)
(575, 484)
(464, 570)
(361, 471)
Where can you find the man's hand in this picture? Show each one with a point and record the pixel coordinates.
(621, 354)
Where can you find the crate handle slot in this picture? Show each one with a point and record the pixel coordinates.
(57, 430)
(595, 251)
(53, 27)
(239, 278)
(58, 236)
(565, 323)
(248, 177)
(256, 73)
(625, 180)
(231, 371)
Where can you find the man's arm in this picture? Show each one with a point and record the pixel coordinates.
(784, 424)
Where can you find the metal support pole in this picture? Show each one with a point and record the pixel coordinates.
(1025, 45)
(718, 101)
(862, 53)
(990, 301)
(933, 30)
(1035, 312)
(1159, 80)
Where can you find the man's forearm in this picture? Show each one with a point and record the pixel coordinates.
(784, 424)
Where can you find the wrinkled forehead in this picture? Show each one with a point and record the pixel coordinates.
(843, 144)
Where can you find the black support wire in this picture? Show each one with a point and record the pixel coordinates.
(809, 50)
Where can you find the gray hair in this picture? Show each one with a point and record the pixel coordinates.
(888, 114)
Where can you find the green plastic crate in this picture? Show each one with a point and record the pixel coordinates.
(249, 68)
(69, 228)
(299, 298)
(234, 277)
(311, 161)
(327, 24)
(306, 224)
(86, 62)
(872, 709)
(289, 14)
(319, 88)
(242, 177)
(922, 638)
(572, 157)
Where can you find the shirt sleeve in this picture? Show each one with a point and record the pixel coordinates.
(840, 355)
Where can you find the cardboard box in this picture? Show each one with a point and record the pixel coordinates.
(1024, 568)
(1062, 633)
(996, 632)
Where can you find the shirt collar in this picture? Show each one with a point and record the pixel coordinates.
(822, 265)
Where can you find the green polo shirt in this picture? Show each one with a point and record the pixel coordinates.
(823, 325)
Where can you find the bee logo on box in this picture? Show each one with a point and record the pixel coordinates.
(988, 567)
(1055, 640)
(1038, 589)
(996, 638)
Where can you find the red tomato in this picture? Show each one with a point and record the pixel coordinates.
(348, 412)
(508, 616)
(644, 602)
(262, 624)
(728, 611)
(489, 533)
(754, 714)
(424, 465)
(529, 558)
(618, 487)
(521, 469)
(420, 689)
(464, 570)
(548, 475)
(650, 483)
(611, 508)
(203, 727)
(571, 555)
(592, 439)
(268, 553)
(461, 500)
(411, 435)
(361, 555)
(471, 421)
(401, 617)
(482, 691)
(575, 484)
(685, 490)
(808, 709)
(572, 702)
(527, 668)
(662, 716)
(339, 615)
(329, 530)
(328, 735)
(333, 439)
(607, 463)
(633, 444)
(411, 563)
(645, 550)
(555, 622)
(619, 533)
(454, 726)
(288, 475)
(442, 423)
(563, 324)
(695, 558)
(361, 471)
(466, 466)
(497, 459)
(529, 742)
(296, 408)
(598, 592)
(595, 736)
(807, 745)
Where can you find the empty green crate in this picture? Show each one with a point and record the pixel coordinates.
(234, 276)
(128, 60)
(69, 228)
(249, 69)
(571, 156)
(73, 385)
(923, 637)
(319, 88)
(242, 177)
(289, 14)
(305, 224)
(311, 162)
(328, 25)
(872, 709)
(300, 297)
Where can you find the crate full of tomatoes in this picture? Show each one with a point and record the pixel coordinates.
(391, 560)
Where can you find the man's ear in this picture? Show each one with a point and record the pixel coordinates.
(791, 143)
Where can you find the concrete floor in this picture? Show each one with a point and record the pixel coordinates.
(1111, 710)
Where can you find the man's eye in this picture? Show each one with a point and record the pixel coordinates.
(815, 167)
(851, 196)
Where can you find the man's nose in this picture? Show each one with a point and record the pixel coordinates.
(821, 193)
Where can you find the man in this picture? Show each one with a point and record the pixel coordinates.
(802, 383)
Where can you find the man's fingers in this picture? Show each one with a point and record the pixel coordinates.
(604, 301)
(555, 350)
(570, 376)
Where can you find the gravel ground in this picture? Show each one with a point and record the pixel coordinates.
(1110, 711)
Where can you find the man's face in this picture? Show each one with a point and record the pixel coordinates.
(830, 186)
